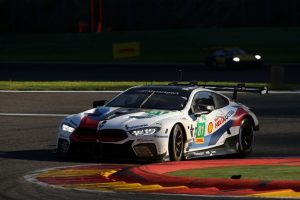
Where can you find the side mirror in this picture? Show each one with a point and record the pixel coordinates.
(98, 103)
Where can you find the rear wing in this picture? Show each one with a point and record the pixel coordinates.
(240, 87)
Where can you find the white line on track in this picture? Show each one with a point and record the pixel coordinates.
(33, 115)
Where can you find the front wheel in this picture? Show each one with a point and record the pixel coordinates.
(246, 138)
(62, 148)
(176, 143)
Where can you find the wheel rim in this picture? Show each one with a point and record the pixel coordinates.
(178, 141)
(247, 137)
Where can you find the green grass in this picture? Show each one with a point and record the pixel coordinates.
(69, 85)
(90, 86)
(247, 172)
(279, 44)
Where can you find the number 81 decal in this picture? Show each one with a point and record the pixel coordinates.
(200, 132)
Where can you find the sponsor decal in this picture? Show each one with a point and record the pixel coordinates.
(199, 132)
(126, 50)
(140, 117)
(210, 152)
(161, 136)
(156, 112)
(192, 130)
(203, 117)
(202, 153)
(198, 153)
(210, 127)
(136, 127)
(159, 92)
(144, 140)
(219, 120)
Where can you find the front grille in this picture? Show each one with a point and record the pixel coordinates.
(112, 135)
(86, 131)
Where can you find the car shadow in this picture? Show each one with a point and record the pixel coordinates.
(50, 156)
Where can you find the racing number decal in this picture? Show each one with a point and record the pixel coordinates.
(200, 131)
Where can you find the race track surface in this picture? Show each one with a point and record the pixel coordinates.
(27, 143)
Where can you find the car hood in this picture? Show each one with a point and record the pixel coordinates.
(119, 118)
(245, 57)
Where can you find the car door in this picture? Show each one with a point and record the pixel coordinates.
(208, 112)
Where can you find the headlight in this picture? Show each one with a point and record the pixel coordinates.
(67, 128)
(258, 57)
(236, 59)
(145, 131)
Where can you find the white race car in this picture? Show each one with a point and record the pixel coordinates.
(153, 123)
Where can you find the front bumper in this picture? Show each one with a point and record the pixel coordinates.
(144, 151)
(115, 143)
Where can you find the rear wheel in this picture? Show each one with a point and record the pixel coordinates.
(176, 143)
(246, 138)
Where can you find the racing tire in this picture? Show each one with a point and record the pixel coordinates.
(246, 138)
(176, 143)
(62, 148)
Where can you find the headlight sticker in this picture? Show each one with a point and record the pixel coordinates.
(136, 127)
(67, 128)
(144, 131)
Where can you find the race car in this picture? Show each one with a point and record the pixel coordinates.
(161, 123)
(233, 58)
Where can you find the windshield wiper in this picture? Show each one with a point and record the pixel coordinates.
(146, 99)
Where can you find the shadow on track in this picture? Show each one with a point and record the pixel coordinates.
(45, 155)
(49, 155)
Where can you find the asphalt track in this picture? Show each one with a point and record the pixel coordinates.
(51, 71)
(27, 142)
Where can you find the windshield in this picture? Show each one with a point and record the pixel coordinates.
(150, 99)
(234, 52)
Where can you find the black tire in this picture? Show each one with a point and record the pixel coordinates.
(246, 138)
(176, 143)
(62, 148)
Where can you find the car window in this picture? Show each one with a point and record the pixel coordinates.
(155, 100)
(167, 102)
(219, 53)
(220, 101)
(203, 99)
(234, 52)
(128, 100)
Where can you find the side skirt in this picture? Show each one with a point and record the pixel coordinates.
(229, 147)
